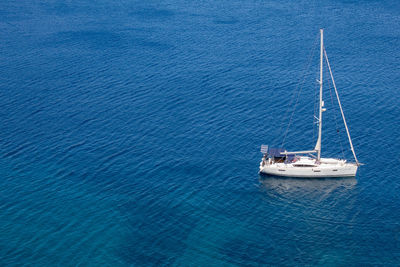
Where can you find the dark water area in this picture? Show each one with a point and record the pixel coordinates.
(130, 133)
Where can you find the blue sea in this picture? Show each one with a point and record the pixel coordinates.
(130, 133)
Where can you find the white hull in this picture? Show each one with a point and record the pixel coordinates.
(320, 171)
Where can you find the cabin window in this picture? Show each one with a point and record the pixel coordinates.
(303, 165)
(317, 170)
(281, 170)
(334, 170)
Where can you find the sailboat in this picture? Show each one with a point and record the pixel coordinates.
(309, 163)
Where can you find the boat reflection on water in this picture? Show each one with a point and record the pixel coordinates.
(305, 186)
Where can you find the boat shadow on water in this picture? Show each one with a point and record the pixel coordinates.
(289, 185)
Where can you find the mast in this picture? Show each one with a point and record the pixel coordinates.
(321, 102)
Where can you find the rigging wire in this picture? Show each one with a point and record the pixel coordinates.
(341, 109)
(334, 115)
(298, 92)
